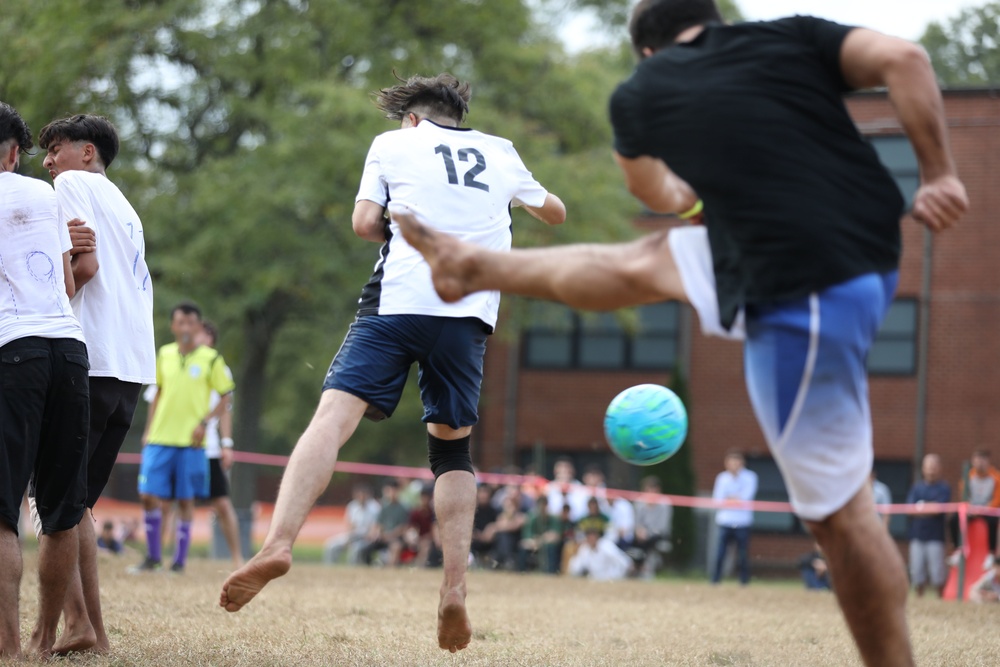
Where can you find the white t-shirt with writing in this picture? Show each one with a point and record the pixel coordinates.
(33, 299)
(457, 180)
(115, 307)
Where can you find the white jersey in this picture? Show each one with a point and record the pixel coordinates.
(457, 180)
(115, 307)
(33, 299)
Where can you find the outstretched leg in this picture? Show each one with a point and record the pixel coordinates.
(869, 579)
(307, 475)
(586, 276)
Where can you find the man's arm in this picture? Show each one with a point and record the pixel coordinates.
(552, 212)
(226, 436)
(68, 280)
(870, 59)
(198, 435)
(368, 221)
(149, 419)
(651, 182)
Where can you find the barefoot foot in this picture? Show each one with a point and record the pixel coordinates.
(77, 639)
(244, 584)
(454, 629)
(453, 262)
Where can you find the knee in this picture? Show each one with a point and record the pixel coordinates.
(447, 455)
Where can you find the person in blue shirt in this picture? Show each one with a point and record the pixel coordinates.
(927, 559)
(735, 484)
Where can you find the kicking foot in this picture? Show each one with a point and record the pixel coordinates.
(453, 263)
(77, 639)
(454, 629)
(244, 584)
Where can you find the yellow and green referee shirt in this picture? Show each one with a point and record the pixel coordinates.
(185, 386)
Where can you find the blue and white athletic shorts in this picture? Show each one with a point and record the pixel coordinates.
(378, 351)
(806, 375)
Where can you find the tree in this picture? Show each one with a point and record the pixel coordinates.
(965, 50)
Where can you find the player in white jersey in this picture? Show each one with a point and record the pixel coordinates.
(467, 181)
(44, 397)
(114, 303)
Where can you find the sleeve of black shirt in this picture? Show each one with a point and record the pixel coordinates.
(826, 38)
(626, 120)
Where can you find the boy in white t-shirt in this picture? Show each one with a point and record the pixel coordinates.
(44, 392)
(114, 303)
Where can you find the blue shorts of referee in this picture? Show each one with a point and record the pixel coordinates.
(378, 351)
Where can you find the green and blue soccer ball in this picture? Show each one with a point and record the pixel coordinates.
(646, 424)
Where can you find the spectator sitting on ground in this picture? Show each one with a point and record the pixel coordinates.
(598, 558)
(987, 589)
(418, 536)
(621, 530)
(563, 483)
(509, 523)
(387, 532)
(106, 540)
(815, 574)
(483, 524)
(593, 519)
(362, 514)
(523, 502)
(652, 527)
(541, 540)
(567, 538)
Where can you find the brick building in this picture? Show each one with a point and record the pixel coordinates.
(545, 394)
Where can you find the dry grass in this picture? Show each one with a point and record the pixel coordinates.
(342, 616)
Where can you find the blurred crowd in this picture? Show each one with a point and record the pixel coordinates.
(566, 525)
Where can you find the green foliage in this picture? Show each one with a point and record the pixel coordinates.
(245, 126)
(677, 477)
(965, 50)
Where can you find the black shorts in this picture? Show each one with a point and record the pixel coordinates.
(112, 405)
(44, 414)
(218, 483)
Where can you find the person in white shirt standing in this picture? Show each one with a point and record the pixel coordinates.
(737, 485)
(44, 393)
(114, 304)
(465, 181)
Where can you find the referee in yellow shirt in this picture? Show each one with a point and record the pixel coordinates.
(173, 459)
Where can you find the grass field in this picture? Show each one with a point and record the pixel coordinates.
(345, 616)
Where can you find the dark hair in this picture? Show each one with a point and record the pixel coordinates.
(982, 453)
(211, 330)
(12, 126)
(442, 95)
(650, 480)
(186, 307)
(736, 454)
(656, 23)
(96, 130)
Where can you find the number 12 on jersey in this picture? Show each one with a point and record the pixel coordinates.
(469, 178)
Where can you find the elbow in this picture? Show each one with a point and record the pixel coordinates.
(557, 215)
(907, 59)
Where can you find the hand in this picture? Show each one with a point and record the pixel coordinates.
(198, 434)
(84, 238)
(227, 459)
(940, 202)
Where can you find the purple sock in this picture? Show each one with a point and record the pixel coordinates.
(183, 542)
(153, 519)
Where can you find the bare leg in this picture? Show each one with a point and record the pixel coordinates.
(58, 554)
(84, 624)
(10, 590)
(225, 514)
(168, 526)
(587, 276)
(455, 505)
(869, 579)
(307, 475)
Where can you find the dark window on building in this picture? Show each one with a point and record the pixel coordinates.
(895, 349)
(898, 476)
(558, 337)
(897, 155)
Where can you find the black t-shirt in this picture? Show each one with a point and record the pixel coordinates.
(752, 116)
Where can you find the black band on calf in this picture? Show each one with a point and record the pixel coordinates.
(447, 455)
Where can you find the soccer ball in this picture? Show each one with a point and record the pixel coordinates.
(645, 424)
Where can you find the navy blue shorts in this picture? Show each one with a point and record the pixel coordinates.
(375, 358)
